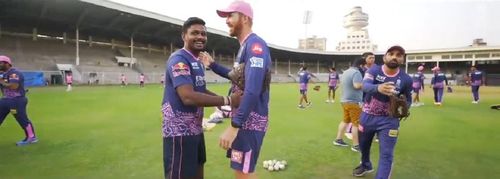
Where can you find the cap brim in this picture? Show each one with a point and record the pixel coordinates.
(224, 12)
(400, 49)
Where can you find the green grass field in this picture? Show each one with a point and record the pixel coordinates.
(113, 132)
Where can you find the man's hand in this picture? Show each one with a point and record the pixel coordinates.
(227, 137)
(386, 88)
(236, 99)
(206, 59)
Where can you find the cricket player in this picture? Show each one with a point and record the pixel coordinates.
(304, 77)
(418, 84)
(69, 81)
(184, 97)
(123, 79)
(438, 83)
(14, 100)
(476, 80)
(243, 139)
(379, 83)
(141, 80)
(333, 79)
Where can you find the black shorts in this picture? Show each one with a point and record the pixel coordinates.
(183, 155)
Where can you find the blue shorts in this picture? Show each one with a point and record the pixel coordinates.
(416, 90)
(183, 155)
(303, 91)
(245, 150)
(333, 88)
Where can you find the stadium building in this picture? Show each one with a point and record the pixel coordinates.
(98, 40)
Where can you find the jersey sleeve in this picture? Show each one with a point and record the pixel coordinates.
(14, 77)
(257, 62)
(368, 85)
(179, 71)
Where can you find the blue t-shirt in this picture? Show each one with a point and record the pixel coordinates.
(476, 78)
(333, 77)
(178, 119)
(13, 76)
(253, 111)
(439, 80)
(377, 103)
(349, 93)
(304, 76)
(418, 80)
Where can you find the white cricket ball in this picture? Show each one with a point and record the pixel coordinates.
(270, 168)
(265, 164)
(284, 162)
(276, 167)
(282, 167)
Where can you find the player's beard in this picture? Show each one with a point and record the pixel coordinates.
(236, 29)
(393, 64)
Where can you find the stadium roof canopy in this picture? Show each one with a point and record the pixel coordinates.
(102, 18)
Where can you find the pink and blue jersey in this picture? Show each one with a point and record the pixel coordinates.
(439, 80)
(13, 76)
(377, 103)
(304, 77)
(476, 78)
(418, 80)
(183, 68)
(253, 111)
(333, 77)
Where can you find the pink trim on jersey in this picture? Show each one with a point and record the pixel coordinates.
(30, 131)
(192, 55)
(173, 157)
(180, 163)
(141, 77)
(244, 39)
(246, 164)
(123, 78)
(395, 74)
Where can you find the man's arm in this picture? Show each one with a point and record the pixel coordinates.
(13, 81)
(357, 81)
(190, 97)
(210, 93)
(208, 61)
(368, 86)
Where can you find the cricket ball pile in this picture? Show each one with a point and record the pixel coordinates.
(274, 165)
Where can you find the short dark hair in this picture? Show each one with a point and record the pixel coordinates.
(304, 68)
(366, 54)
(358, 62)
(333, 68)
(191, 21)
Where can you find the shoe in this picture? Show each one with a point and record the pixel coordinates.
(355, 148)
(309, 104)
(414, 104)
(327, 101)
(475, 102)
(348, 135)
(27, 141)
(439, 104)
(420, 104)
(332, 101)
(361, 171)
(301, 106)
(340, 142)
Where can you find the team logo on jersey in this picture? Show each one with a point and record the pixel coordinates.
(195, 65)
(257, 48)
(236, 156)
(180, 69)
(13, 76)
(380, 78)
(257, 62)
(200, 81)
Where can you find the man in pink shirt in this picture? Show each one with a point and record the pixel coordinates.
(141, 80)
(69, 80)
(123, 78)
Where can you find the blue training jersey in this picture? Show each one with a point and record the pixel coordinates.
(13, 76)
(183, 68)
(476, 78)
(439, 80)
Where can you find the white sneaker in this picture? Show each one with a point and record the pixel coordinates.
(332, 101)
(327, 101)
(475, 102)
